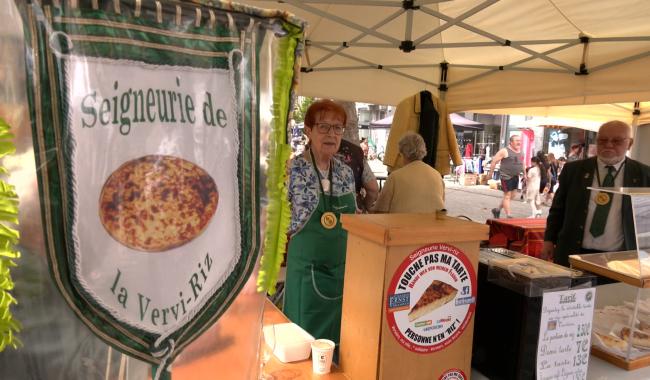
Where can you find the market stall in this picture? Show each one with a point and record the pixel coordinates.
(603, 42)
(139, 186)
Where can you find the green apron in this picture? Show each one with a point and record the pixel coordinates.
(315, 270)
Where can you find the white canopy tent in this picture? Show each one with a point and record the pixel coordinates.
(456, 120)
(491, 55)
(588, 116)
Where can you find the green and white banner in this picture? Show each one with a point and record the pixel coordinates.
(147, 139)
(156, 219)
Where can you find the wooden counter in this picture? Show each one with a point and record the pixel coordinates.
(231, 349)
(228, 359)
(276, 370)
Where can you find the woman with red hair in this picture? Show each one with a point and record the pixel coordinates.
(321, 188)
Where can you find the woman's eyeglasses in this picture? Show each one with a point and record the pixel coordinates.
(325, 128)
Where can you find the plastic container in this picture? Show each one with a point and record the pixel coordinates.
(511, 287)
(288, 341)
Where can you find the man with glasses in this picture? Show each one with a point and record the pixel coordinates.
(585, 221)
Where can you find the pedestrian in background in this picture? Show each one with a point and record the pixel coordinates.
(544, 177)
(575, 153)
(511, 160)
(415, 187)
(533, 179)
(364, 147)
(560, 164)
(553, 172)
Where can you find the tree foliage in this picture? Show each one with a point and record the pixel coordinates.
(300, 110)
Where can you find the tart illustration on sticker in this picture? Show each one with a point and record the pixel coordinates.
(157, 202)
(431, 298)
(437, 294)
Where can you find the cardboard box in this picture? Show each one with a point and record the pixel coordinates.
(290, 343)
(483, 179)
(469, 179)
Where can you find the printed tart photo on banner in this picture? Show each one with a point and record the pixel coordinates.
(146, 127)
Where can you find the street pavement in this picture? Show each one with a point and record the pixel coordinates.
(474, 202)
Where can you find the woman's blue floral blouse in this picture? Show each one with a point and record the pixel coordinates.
(304, 189)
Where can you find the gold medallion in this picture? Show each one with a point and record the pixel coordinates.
(602, 198)
(328, 220)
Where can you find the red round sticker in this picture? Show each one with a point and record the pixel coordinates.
(431, 298)
(453, 374)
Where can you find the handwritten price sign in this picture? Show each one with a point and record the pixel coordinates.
(565, 334)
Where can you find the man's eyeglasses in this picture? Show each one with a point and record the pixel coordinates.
(615, 141)
(325, 128)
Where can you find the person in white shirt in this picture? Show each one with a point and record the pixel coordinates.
(533, 179)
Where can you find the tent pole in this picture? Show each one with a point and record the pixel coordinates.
(620, 61)
(375, 3)
(442, 88)
(566, 43)
(360, 36)
(505, 42)
(340, 20)
(635, 116)
(380, 67)
(640, 133)
(408, 28)
(455, 21)
(585, 54)
(547, 52)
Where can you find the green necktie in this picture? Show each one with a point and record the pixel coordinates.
(597, 227)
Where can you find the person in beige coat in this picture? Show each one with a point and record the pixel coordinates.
(415, 187)
(407, 118)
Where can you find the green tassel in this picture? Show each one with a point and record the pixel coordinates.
(8, 237)
(278, 212)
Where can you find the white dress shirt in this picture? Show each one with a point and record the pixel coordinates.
(612, 239)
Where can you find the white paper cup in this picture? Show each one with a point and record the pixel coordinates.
(322, 351)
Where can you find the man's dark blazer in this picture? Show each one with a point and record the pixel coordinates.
(565, 224)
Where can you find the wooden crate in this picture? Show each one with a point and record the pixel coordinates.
(469, 179)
